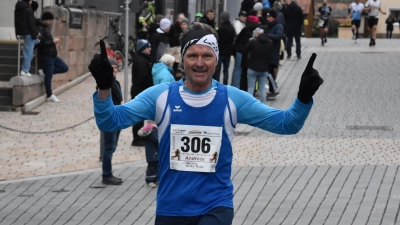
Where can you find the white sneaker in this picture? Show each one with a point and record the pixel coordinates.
(53, 98)
(41, 74)
(26, 74)
(152, 185)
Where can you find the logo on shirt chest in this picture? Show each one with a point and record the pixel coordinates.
(177, 109)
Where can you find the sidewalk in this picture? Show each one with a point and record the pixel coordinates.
(342, 168)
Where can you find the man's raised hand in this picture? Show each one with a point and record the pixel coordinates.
(101, 68)
(310, 82)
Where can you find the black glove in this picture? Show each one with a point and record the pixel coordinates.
(101, 68)
(310, 82)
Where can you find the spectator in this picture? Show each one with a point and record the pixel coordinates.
(240, 22)
(153, 34)
(110, 139)
(24, 22)
(184, 24)
(239, 75)
(198, 17)
(150, 134)
(275, 33)
(176, 31)
(146, 18)
(160, 41)
(141, 80)
(257, 8)
(209, 18)
(389, 26)
(47, 54)
(294, 21)
(259, 50)
(161, 71)
(247, 6)
(226, 40)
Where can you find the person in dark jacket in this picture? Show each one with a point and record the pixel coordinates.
(239, 75)
(258, 56)
(110, 139)
(47, 54)
(24, 22)
(176, 31)
(160, 40)
(389, 25)
(247, 5)
(141, 80)
(294, 21)
(209, 18)
(226, 40)
(275, 33)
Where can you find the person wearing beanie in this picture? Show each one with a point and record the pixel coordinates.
(141, 80)
(294, 19)
(160, 40)
(239, 75)
(198, 17)
(49, 62)
(110, 138)
(24, 23)
(226, 40)
(275, 33)
(240, 22)
(175, 31)
(196, 118)
(258, 7)
(184, 24)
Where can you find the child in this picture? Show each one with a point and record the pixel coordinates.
(149, 131)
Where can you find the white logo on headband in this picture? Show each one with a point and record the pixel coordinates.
(211, 41)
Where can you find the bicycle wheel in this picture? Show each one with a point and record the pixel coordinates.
(119, 57)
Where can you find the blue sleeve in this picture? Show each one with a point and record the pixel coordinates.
(110, 117)
(252, 112)
(277, 35)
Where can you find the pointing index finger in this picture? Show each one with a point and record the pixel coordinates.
(311, 62)
(103, 52)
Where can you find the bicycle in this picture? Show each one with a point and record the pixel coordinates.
(119, 47)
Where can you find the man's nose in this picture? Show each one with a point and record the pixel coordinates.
(200, 61)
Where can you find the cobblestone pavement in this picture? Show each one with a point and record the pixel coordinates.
(342, 168)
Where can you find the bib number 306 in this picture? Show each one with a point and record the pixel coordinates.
(196, 144)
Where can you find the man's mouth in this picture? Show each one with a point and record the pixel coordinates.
(197, 70)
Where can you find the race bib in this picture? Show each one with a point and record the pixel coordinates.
(195, 148)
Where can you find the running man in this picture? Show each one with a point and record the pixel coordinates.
(197, 115)
(324, 13)
(374, 7)
(355, 10)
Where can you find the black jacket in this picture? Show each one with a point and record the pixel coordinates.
(258, 52)
(141, 74)
(275, 33)
(247, 5)
(24, 20)
(116, 92)
(158, 43)
(226, 39)
(244, 36)
(174, 34)
(205, 20)
(46, 47)
(294, 18)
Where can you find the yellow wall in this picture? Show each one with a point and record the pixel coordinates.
(386, 6)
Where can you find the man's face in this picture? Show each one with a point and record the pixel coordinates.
(243, 19)
(325, 2)
(180, 17)
(270, 19)
(146, 51)
(210, 15)
(115, 67)
(199, 64)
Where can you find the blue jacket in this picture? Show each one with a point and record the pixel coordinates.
(161, 73)
(275, 33)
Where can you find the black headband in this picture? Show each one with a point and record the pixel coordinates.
(202, 37)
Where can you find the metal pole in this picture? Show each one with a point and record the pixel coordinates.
(19, 55)
(126, 50)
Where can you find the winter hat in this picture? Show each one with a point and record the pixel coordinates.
(34, 6)
(47, 16)
(272, 13)
(142, 44)
(185, 20)
(167, 59)
(199, 15)
(225, 16)
(258, 7)
(278, 6)
(165, 24)
(253, 19)
(242, 13)
(259, 30)
(112, 62)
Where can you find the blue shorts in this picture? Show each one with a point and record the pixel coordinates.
(218, 215)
